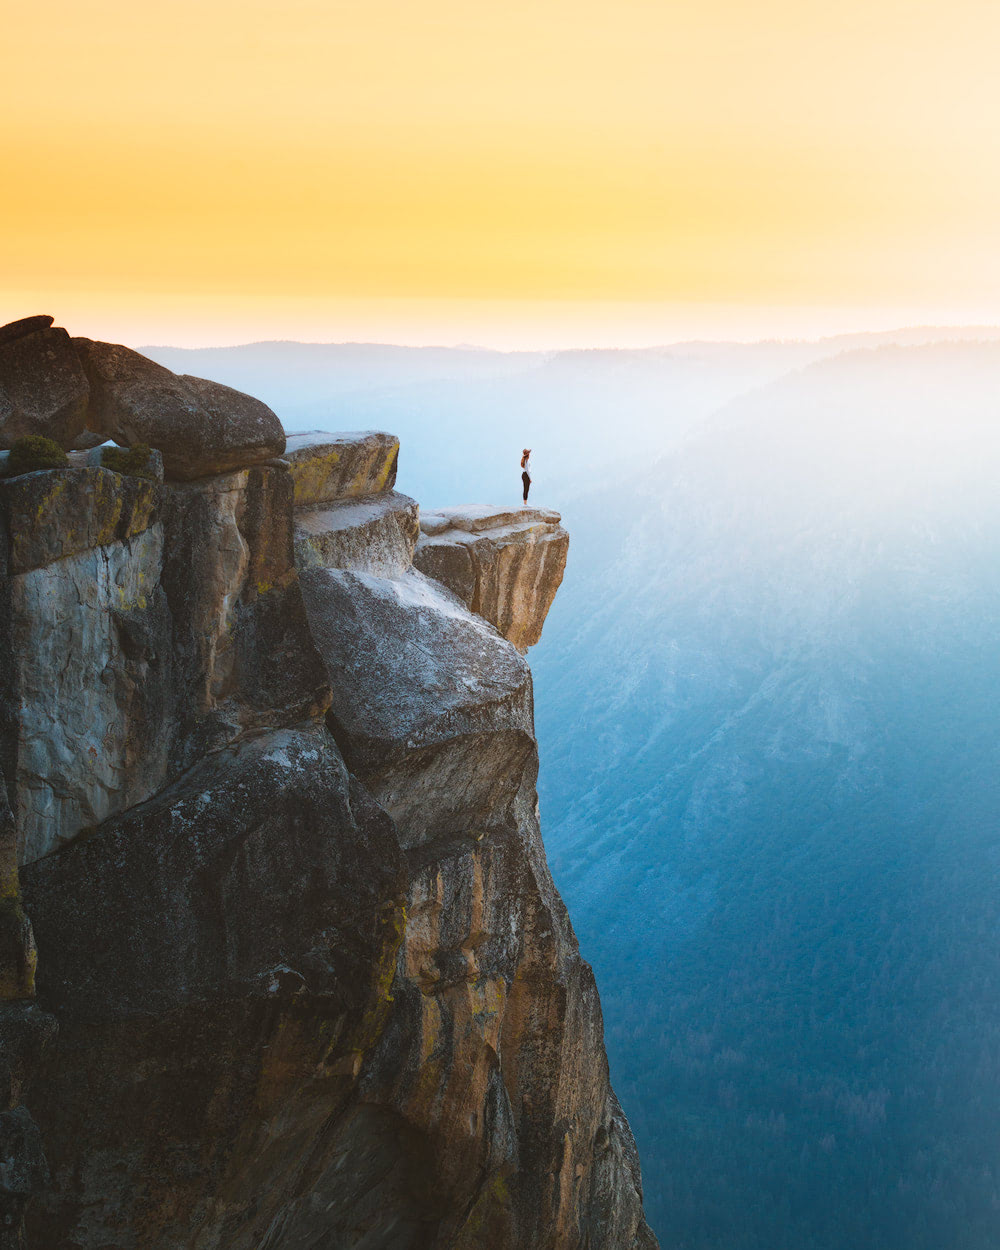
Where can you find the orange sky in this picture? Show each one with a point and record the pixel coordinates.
(216, 170)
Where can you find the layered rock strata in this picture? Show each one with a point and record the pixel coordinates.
(279, 844)
(504, 564)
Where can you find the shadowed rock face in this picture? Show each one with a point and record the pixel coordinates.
(51, 516)
(242, 927)
(280, 848)
(504, 564)
(43, 388)
(25, 1031)
(27, 325)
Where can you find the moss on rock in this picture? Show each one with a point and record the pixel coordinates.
(33, 452)
(135, 461)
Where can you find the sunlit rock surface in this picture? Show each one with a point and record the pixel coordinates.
(279, 842)
(431, 708)
(504, 1082)
(329, 466)
(504, 564)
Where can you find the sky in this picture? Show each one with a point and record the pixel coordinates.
(526, 174)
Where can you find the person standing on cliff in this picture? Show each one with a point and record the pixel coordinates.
(526, 471)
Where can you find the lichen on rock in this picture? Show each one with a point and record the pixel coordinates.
(327, 467)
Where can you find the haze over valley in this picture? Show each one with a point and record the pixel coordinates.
(765, 701)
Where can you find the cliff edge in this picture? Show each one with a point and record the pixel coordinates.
(270, 834)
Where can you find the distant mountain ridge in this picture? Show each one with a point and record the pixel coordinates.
(587, 414)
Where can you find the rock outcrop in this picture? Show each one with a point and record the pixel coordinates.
(272, 792)
(78, 392)
(43, 387)
(505, 565)
(240, 935)
(200, 427)
(326, 467)
(149, 625)
(375, 534)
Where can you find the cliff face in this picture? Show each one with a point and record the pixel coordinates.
(272, 792)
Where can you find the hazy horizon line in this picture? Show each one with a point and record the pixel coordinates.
(992, 329)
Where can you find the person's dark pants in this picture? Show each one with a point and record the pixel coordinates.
(527, 482)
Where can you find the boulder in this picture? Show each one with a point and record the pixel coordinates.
(373, 533)
(431, 708)
(200, 427)
(43, 388)
(504, 564)
(326, 467)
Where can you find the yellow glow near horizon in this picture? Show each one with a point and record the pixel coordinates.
(313, 158)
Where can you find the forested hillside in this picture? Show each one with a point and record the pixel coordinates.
(770, 745)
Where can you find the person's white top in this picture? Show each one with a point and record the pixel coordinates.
(526, 467)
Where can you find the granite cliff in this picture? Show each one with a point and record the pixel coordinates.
(282, 962)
